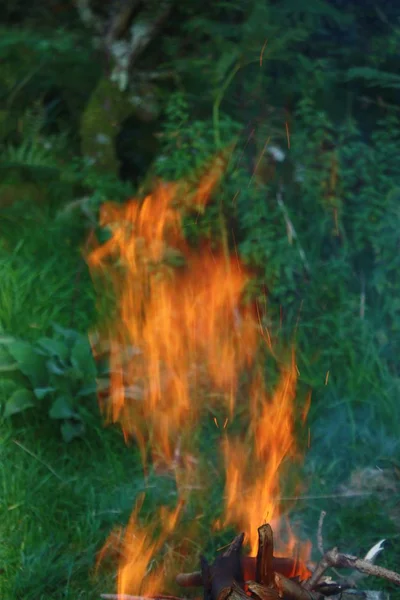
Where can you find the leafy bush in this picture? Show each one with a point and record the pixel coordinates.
(57, 374)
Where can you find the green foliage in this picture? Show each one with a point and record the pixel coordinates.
(342, 291)
(189, 143)
(35, 62)
(58, 375)
(375, 77)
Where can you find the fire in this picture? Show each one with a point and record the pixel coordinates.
(253, 464)
(182, 326)
(138, 545)
(181, 331)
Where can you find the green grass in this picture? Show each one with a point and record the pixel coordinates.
(59, 502)
(58, 505)
(43, 276)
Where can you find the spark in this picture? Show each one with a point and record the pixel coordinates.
(262, 51)
(245, 146)
(306, 407)
(216, 422)
(236, 250)
(259, 160)
(264, 330)
(234, 203)
(327, 378)
(259, 317)
(226, 422)
(298, 318)
(269, 341)
(223, 547)
(287, 134)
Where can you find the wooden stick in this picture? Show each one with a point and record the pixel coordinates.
(292, 590)
(235, 546)
(189, 579)
(263, 592)
(205, 578)
(333, 558)
(238, 593)
(226, 570)
(264, 572)
(280, 565)
(320, 539)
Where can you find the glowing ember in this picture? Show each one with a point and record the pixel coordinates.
(181, 332)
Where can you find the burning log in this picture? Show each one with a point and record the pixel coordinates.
(227, 578)
(267, 577)
(218, 578)
(285, 566)
(230, 575)
(264, 569)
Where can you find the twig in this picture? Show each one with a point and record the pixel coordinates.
(334, 558)
(370, 557)
(235, 545)
(320, 540)
(292, 234)
(38, 459)
(379, 102)
(328, 496)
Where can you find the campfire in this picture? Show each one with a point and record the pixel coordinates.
(180, 339)
(267, 577)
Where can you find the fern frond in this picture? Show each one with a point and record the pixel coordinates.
(374, 77)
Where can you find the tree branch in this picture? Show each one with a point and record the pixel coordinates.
(333, 558)
(144, 31)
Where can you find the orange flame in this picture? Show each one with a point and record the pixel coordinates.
(253, 464)
(182, 326)
(180, 331)
(137, 546)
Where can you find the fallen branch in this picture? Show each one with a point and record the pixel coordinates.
(334, 558)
